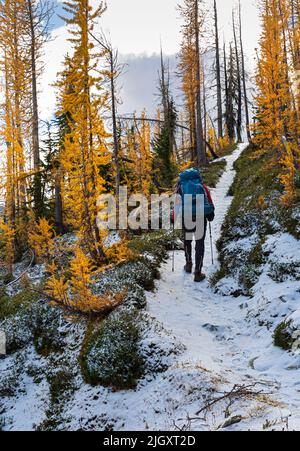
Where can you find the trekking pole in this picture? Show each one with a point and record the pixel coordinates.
(173, 256)
(211, 244)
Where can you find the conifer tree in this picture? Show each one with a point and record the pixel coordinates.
(277, 126)
(190, 67)
(273, 91)
(85, 148)
(36, 22)
(14, 65)
(164, 142)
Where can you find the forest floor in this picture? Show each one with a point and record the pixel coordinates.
(212, 363)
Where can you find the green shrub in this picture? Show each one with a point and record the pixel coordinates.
(213, 172)
(28, 322)
(10, 305)
(217, 276)
(60, 383)
(140, 273)
(281, 272)
(256, 210)
(110, 355)
(282, 337)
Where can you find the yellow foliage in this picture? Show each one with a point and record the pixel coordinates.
(7, 238)
(15, 119)
(139, 151)
(40, 239)
(224, 142)
(85, 150)
(76, 292)
(288, 176)
(212, 139)
(275, 110)
(57, 289)
(261, 203)
(81, 268)
(186, 165)
(118, 252)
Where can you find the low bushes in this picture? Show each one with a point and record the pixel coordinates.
(255, 213)
(111, 355)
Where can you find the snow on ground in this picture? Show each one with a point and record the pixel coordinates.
(216, 351)
(210, 343)
(221, 335)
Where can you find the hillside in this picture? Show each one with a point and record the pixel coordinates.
(183, 347)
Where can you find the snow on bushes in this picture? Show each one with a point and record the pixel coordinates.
(110, 355)
(287, 333)
(260, 249)
(123, 350)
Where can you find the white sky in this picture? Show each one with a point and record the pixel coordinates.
(136, 28)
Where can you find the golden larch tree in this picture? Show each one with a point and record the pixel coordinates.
(84, 150)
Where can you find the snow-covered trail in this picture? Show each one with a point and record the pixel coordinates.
(185, 307)
(215, 331)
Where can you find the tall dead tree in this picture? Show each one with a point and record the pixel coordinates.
(38, 18)
(218, 73)
(247, 117)
(200, 141)
(230, 113)
(238, 83)
(114, 70)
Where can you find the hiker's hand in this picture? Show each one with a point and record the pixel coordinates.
(210, 217)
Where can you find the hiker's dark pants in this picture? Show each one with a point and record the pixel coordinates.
(199, 248)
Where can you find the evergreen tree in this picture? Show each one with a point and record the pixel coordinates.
(164, 142)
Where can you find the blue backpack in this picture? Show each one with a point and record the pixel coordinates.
(191, 183)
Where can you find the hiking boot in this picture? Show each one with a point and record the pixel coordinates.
(188, 268)
(199, 276)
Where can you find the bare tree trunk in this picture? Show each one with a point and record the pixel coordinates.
(218, 74)
(199, 132)
(239, 85)
(244, 78)
(114, 68)
(226, 89)
(10, 201)
(204, 116)
(35, 113)
(18, 159)
(230, 106)
(58, 203)
(115, 128)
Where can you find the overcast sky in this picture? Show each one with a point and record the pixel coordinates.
(136, 28)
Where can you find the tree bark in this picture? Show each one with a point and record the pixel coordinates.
(230, 106)
(115, 128)
(58, 203)
(244, 78)
(239, 85)
(199, 132)
(218, 74)
(35, 113)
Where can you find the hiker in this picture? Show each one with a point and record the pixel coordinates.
(190, 182)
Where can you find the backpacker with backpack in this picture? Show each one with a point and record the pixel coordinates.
(191, 184)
